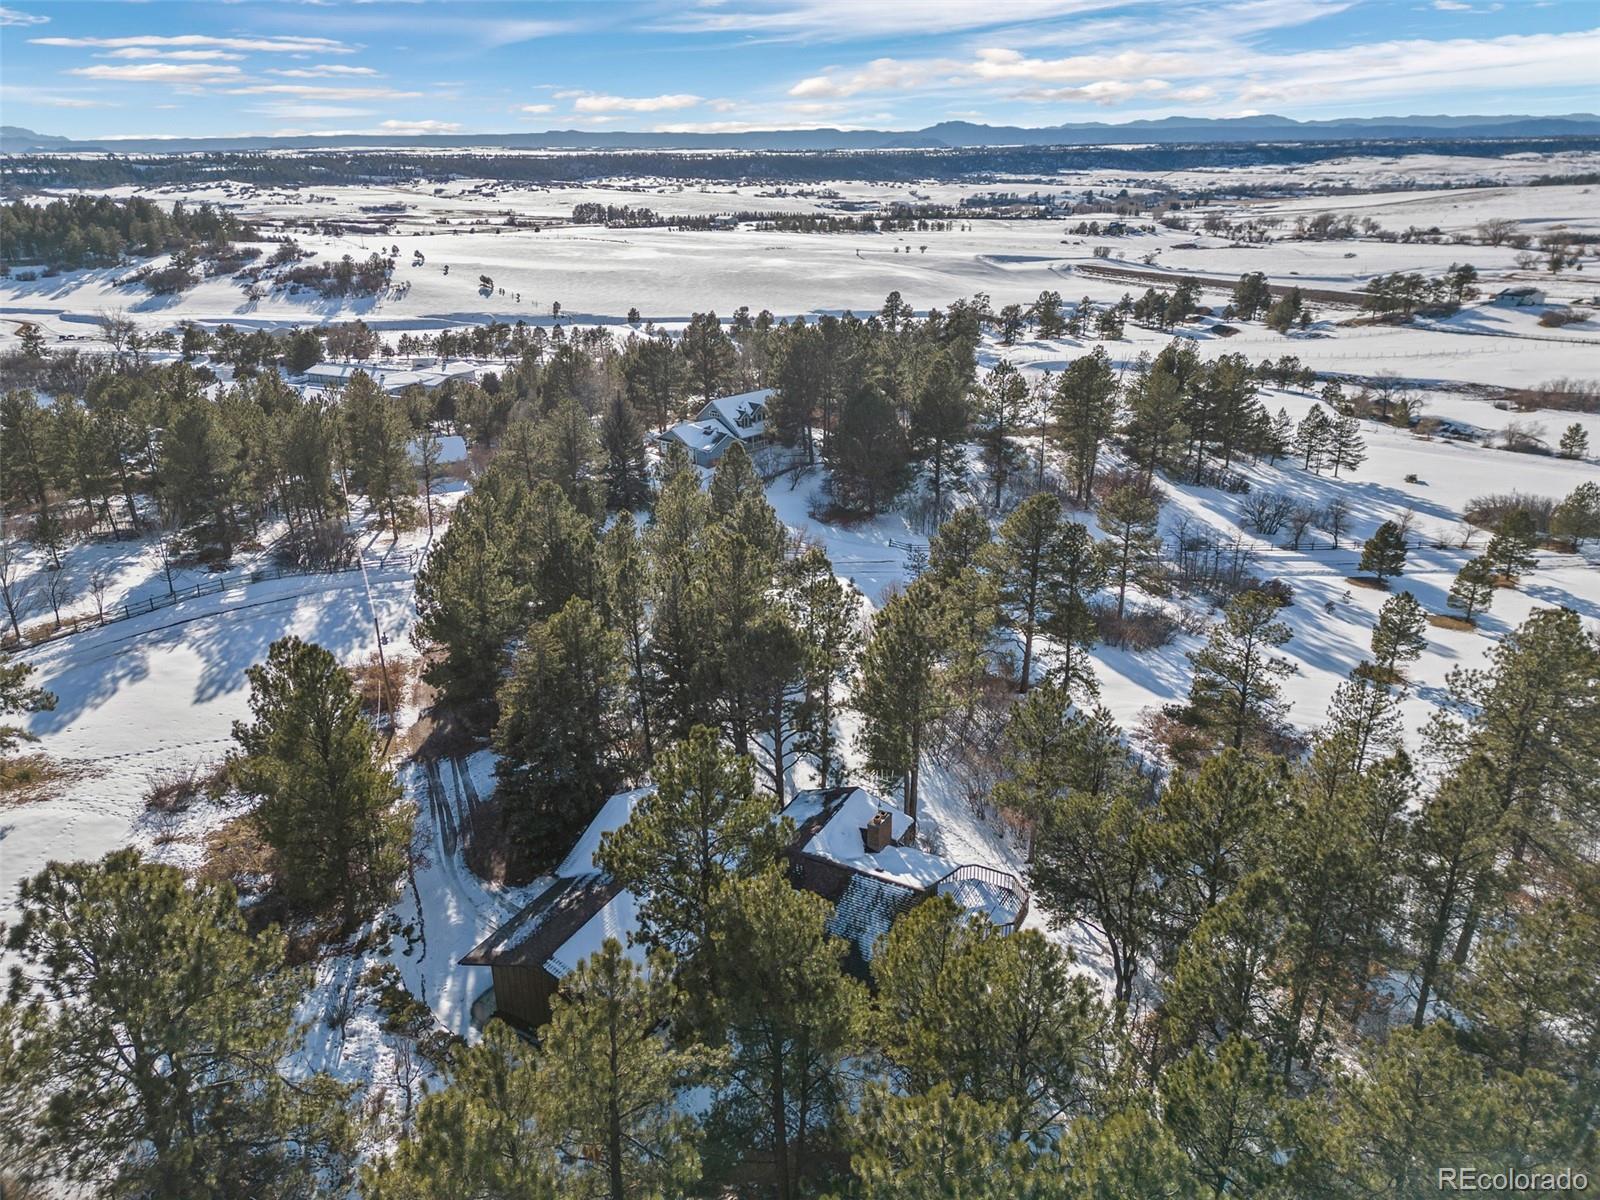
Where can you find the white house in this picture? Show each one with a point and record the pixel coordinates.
(1525, 296)
(722, 421)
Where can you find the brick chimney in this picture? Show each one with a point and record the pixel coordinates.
(878, 832)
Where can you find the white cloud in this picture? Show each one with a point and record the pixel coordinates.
(420, 126)
(10, 16)
(159, 72)
(174, 55)
(311, 112)
(538, 108)
(322, 71)
(308, 91)
(47, 99)
(593, 102)
(262, 45)
(1451, 6)
(845, 20)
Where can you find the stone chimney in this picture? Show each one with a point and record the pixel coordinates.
(878, 832)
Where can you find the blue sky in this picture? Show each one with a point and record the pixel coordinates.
(87, 68)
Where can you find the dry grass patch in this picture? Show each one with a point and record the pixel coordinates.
(369, 679)
(175, 789)
(1459, 624)
(1370, 582)
(30, 778)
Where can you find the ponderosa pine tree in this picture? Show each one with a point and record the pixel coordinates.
(1577, 517)
(1384, 553)
(1002, 401)
(1397, 637)
(792, 1017)
(1130, 518)
(154, 1028)
(378, 434)
(18, 697)
(480, 1135)
(932, 1144)
(1574, 441)
(1224, 1110)
(653, 377)
(998, 1019)
(1024, 560)
(1085, 415)
(866, 452)
(704, 824)
(610, 1080)
(626, 606)
(903, 690)
(960, 542)
(826, 613)
(567, 452)
(562, 733)
(708, 353)
(1511, 548)
(1345, 446)
(556, 553)
(1313, 439)
(1235, 691)
(1080, 572)
(624, 470)
(941, 419)
(1473, 589)
(470, 603)
(327, 801)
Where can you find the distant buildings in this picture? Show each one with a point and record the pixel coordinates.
(850, 846)
(426, 373)
(1525, 296)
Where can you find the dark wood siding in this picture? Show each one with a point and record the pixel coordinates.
(522, 995)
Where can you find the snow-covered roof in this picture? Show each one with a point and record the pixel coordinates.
(699, 435)
(844, 814)
(618, 919)
(745, 414)
(613, 815)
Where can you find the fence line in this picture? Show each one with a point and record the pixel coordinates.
(210, 587)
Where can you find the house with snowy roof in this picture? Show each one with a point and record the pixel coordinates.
(851, 847)
(720, 423)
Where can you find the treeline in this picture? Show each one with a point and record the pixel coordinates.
(95, 231)
(332, 167)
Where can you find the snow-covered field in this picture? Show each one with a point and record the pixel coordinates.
(143, 695)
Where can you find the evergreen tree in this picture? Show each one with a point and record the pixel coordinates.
(470, 603)
(1577, 517)
(17, 698)
(561, 737)
(1313, 439)
(1223, 1110)
(156, 1027)
(1085, 412)
(1002, 401)
(1473, 589)
(941, 419)
(1080, 573)
(934, 1144)
(1511, 548)
(479, 1137)
(1155, 424)
(609, 1081)
(705, 823)
(622, 444)
(379, 436)
(1345, 446)
(998, 1019)
(327, 801)
(567, 453)
(709, 354)
(1235, 691)
(866, 453)
(1025, 561)
(902, 690)
(826, 613)
(1130, 1153)
(1574, 441)
(793, 1018)
(557, 554)
(1397, 637)
(626, 605)
(1384, 553)
(1096, 860)
(1130, 518)
(1251, 295)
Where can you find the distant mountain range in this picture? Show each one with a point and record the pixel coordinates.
(945, 135)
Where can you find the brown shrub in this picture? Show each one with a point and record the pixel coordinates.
(176, 788)
(369, 680)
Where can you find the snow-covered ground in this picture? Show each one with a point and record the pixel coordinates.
(143, 695)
